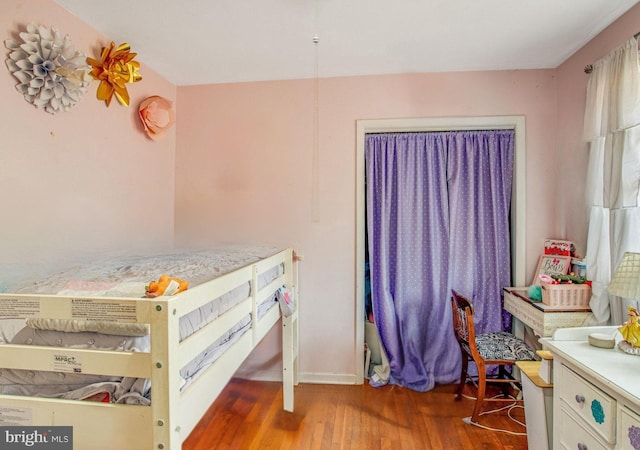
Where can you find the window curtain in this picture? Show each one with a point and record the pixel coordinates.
(612, 129)
(437, 218)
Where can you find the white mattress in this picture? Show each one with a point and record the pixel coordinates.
(127, 277)
(195, 266)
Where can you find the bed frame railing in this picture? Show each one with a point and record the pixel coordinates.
(173, 414)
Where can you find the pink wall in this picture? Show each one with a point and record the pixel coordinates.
(250, 144)
(88, 180)
(82, 181)
(248, 151)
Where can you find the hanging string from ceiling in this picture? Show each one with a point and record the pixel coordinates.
(315, 152)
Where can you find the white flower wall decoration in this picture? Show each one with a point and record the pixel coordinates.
(53, 76)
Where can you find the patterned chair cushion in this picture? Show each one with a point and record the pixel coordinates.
(503, 346)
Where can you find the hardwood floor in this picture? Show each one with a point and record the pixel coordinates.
(249, 415)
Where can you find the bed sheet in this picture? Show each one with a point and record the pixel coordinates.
(194, 265)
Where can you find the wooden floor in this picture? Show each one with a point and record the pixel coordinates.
(249, 415)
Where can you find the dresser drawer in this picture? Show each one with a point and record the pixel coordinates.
(593, 405)
(575, 435)
(629, 433)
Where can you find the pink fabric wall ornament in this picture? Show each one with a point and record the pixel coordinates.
(157, 116)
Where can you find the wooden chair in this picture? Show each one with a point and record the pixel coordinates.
(488, 349)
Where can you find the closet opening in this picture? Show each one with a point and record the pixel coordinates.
(517, 210)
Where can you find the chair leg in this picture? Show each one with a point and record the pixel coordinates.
(463, 375)
(482, 385)
(503, 374)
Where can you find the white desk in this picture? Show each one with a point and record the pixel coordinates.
(541, 318)
(596, 394)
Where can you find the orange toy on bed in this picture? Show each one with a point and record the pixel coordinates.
(165, 285)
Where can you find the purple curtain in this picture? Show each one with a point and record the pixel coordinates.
(437, 218)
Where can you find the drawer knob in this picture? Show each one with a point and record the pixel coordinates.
(582, 447)
(580, 399)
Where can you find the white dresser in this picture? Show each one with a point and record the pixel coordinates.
(596, 393)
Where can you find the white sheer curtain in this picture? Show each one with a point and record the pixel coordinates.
(612, 128)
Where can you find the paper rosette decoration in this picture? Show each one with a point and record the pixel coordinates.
(115, 69)
(52, 75)
(157, 116)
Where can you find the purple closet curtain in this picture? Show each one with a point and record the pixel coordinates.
(437, 218)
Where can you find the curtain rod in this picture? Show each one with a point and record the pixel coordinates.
(589, 67)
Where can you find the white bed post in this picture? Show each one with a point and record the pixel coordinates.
(165, 386)
(254, 306)
(290, 336)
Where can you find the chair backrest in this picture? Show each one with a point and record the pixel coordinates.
(463, 323)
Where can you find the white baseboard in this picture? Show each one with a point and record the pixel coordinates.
(329, 378)
(303, 377)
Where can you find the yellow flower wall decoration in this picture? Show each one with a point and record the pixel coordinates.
(114, 71)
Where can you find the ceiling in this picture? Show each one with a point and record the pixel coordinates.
(219, 41)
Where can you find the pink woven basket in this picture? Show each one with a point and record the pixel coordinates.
(566, 295)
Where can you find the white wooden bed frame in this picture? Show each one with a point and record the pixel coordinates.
(172, 414)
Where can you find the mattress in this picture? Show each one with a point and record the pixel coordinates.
(125, 274)
(127, 277)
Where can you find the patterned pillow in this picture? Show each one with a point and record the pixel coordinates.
(503, 346)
